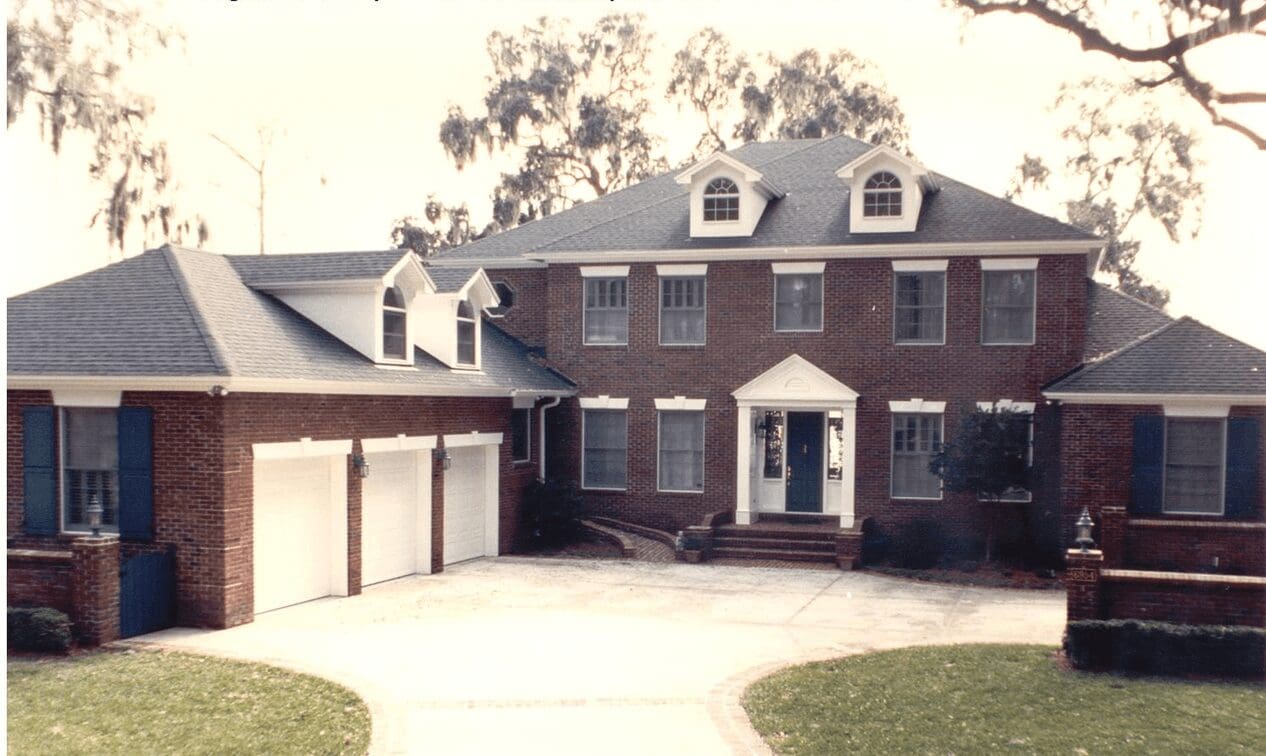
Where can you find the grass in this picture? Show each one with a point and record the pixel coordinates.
(986, 699)
(153, 702)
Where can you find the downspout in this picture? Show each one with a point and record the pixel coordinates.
(541, 447)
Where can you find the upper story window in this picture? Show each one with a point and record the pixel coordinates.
(881, 197)
(919, 307)
(682, 310)
(1010, 299)
(394, 324)
(505, 295)
(90, 465)
(466, 324)
(721, 200)
(798, 302)
(606, 311)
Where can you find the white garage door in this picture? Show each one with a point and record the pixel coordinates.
(464, 504)
(389, 516)
(293, 531)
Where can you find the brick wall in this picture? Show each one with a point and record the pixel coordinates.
(41, 578)
(1184, 603)
(526, 320)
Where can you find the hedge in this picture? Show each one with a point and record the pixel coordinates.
(1164, 648)
(38, 629)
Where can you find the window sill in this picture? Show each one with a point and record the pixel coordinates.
(799, 332)
(622, 344)
(520, 462)
(604, 490)
(894, 497)
(672, 491)
(919, 343)
(1008, 343)
(675, 345)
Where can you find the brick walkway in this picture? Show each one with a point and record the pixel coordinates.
(643, 549)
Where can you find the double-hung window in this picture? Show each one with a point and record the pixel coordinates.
(682, 310)
(1010, 299)
(681, 451)
(916, 437)
(798, 296)
(394, 325)
(467, 321)
(918, 306)
(1195, 459)
(90, 466)
(606, 310)
(606, 446)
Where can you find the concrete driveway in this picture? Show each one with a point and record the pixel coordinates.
(571, 656)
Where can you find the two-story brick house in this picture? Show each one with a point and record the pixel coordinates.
(788, 330)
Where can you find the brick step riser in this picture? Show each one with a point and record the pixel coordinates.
(775, 535)
(779, 544)
(773, 555)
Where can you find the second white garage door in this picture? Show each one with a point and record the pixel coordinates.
(390, 501)
(465, 505)
(293, 531)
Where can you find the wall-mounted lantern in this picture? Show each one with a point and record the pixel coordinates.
(361, 464)
(442, 456)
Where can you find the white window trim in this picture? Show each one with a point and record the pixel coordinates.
(892, 453)
(798, 267)
(900, 189)
(391, 359)
(944, 304)
(915, 406)
(1012, 263)
(602, 401)
(304, 447)
(475, 321)
(60, 485)
(528, 458)
(584, 309)
(92, 398)
(585, 487)
(506, 310)
(1180, 410)
(659, 298)
(821, 305)
(705, 195)
(474, 438)
(659, 440)
(681, 271)
(604, 271)
(399, 442)
(920, 266)
(1033, 333)
(1221, 468)
(680, 404)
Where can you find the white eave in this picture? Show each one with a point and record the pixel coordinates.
(245, 385)
(925, 178)
(748, 173)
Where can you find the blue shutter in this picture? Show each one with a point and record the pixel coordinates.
(1242, 468)
(39, 471)
(1147, 474)
(136, 474)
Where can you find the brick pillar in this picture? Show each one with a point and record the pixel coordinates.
(1082, 581)
(848, 547)
(1112, 535)
(696, 544)
(96, 595)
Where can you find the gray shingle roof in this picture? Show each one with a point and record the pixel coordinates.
(1115, 320)
(261, 270)
(654, 214)
(179, 312)
(448, 279)
(1183, 357)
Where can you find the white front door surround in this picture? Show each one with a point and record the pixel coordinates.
(794, 384)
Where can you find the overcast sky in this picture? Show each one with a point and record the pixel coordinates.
(356, 90)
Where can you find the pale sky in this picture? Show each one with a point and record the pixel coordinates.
(357, 89)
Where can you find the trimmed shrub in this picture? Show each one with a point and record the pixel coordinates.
(1164, 648)
(38, 629)
(551, 513)
(919, 545)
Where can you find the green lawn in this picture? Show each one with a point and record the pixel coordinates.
(983, 699)
(151, 702)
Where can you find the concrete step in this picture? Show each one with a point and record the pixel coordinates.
(732, 552)
(778, 544)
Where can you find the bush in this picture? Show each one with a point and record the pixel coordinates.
(551, 513)
(919, 545)
(1164, 648)
(39, 629)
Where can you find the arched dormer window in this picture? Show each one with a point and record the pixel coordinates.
(466, 322)
(882, 196)
(721, 200)
(394, 325)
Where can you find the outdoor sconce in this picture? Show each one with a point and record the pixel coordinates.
(361, 465)
(94, 512)
(442, 456)
(1084, 526)
(760, 429)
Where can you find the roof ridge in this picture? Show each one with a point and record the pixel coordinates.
(1223, 334)
(219, 354)
(1132, 298)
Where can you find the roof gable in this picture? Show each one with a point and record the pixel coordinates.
(795, 379)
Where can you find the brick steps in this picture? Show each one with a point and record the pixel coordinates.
(774, 544)
(776, 554)
(776, 541)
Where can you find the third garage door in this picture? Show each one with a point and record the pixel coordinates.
(389, 516)
(465, 503)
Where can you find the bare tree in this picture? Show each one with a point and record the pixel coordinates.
(258, 167)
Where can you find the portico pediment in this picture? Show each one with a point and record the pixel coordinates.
(795, 380)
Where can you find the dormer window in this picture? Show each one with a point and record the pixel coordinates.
(721, 200)
(466, 321)
(394, 325)
(881, 197)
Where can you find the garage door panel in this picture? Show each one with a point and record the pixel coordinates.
(465, 512)
(292, 531)
(389, 517)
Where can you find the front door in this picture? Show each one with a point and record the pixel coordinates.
(804, 461)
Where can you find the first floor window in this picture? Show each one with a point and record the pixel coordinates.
(915, 438)
(919, 308)
(90, 461)
(773, 428)
(798, 302)
(1194, 463)
(606, 445)
(521, 434)
(1010, 297)
(606, 311)
(682, 311)
(680, 451)
(1020, 426)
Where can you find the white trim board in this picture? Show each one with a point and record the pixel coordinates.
(1019, 263)
(604, 271)
(680, 403)
(204, 384)
(304, 447)
(399, 442)
(700, 269)
(474, 438)
(920, 266)
(781, 268)
(917, 405)
(1070, 397)
(1192, 410)
(87, 397)
(602, 401)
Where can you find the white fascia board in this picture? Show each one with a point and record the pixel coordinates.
(410, 261)
(604, 271)
(1018, 263)
(602, 401)
(680, 403)
(917, 405)
(698, 269)
(304, 447)
(848, 169)
(798, 267)
(400, 442)
(481, 286)
(1197, 410)
(474, 438)
(749, 174)
(1241, 400)
(86, 397)
(1006, 405)
(257, 385)
(920, 266)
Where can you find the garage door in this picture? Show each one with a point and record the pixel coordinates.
(464, 504)
(389, 516)
(293, 531)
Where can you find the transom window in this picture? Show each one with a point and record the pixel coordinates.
(1010, 298)
(680, 451)
(798, 302)
(90, 465)
(394, 325)
(467, 321)
(606, 311)
(915, 438)
(1195, 458)
(881, 197)
(606, 449)
(919, 308)
(721, 200)
(682, 310)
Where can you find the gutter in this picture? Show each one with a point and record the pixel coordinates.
(541, 426)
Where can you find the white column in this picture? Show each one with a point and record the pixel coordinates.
(742, 467)
(848, 485)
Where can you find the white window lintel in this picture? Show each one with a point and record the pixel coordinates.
(474, 438)
(680, 403)
(700, 269)
(917, 405)
(1008, 263)
(399, 442)
(920, 266)
(602, 401)
(87, 397)
(604, 271)
(1005, 405)
(799, 267)
(1197, 410)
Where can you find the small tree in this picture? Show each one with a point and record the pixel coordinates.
(988, 457)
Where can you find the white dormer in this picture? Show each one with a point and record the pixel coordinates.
(727, 197)
(886, 191)
(451, 322)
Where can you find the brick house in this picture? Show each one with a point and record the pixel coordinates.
(766, 346)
